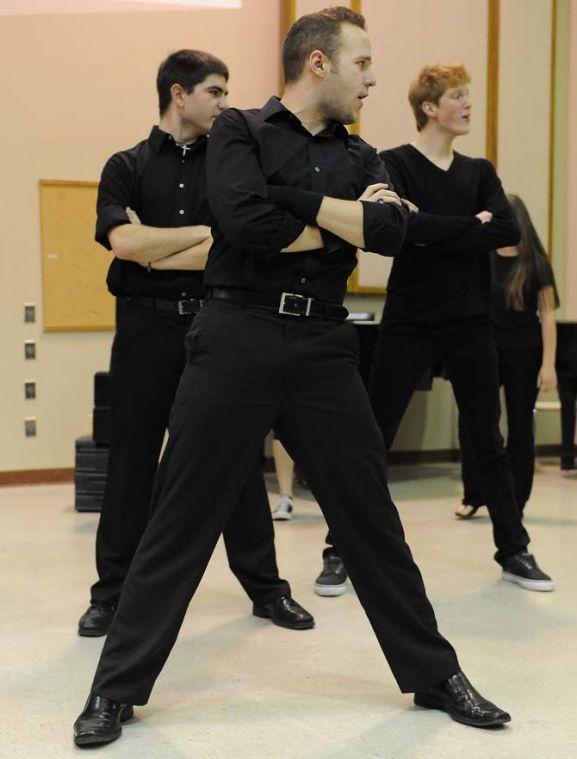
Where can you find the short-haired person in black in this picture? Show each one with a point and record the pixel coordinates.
(523, 303)
(438, 300)
(271, 349)
(153, 214)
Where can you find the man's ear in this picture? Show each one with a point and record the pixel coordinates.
(429, 109)
(177, 94)
(318, 63)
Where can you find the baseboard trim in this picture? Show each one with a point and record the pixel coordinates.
(443, 456)
(449, 455)
(36, 477)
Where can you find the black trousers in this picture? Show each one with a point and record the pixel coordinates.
(248, 371)
(518, 371)
(148, 357)
(468, 351)
(567, 389)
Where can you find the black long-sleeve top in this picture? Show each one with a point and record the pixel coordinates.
(443, 281)
(166, 186)
(249, 150)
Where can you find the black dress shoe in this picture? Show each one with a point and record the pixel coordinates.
(96, 620)
(100, 722)
(285, 612)
(462, 702)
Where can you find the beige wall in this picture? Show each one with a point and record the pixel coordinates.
(570, 284)
(524, 104)
(79, 87)
(76, 88)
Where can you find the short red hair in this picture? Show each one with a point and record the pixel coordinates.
(431, 83)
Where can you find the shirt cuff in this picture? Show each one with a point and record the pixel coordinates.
(104, 225)
(302, 203)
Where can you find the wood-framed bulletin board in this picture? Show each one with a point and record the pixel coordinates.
(74, 266)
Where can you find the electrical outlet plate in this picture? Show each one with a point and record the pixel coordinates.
(30, 427)
(29, 349)
(29, 313)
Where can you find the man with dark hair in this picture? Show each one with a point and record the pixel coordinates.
(271, 349)
(154, 215)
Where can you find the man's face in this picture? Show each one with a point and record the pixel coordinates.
(453, 111)
(349, 77)
(202, 105)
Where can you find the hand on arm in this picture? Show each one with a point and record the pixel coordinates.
(547, 377)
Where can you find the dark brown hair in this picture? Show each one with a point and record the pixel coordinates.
(532, 264)
(187, 68)
(431, 83)
(315, 31)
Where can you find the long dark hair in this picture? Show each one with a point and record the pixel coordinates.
(532, 263)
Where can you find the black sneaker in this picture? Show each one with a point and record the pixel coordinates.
(523, 570)
(332, 581)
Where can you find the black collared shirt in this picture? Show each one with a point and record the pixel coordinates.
(166, 186)
(249, 150)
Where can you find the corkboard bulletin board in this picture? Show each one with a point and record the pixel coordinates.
(74, 266)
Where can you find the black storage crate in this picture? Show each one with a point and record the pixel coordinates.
(89, 474)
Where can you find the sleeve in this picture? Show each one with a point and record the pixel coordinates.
(384, 224)
(546, 278)
(502, 231)
(426, 228)
(238, 193)
(114, 195)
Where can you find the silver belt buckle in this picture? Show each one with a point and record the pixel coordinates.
(294, 304)
(184, 309)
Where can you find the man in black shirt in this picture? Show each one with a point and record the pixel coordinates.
(156, 276)
(438, 300)
(271, 349)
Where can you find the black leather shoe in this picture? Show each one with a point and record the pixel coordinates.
(462, 702)
(100, 722)
(96, 620)
(285, 612)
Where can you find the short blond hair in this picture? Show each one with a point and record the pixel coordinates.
(431, 83)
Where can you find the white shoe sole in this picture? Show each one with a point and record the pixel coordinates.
(542, 586)
(282, 517)
(330, 591)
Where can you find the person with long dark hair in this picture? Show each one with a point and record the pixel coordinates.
(524, 299)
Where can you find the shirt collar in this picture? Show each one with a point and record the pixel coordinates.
(273, 108)
(157, 139)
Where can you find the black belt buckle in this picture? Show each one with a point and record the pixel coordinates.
(186, 307)
(295, 305)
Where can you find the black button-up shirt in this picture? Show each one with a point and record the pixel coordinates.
(166, 186)
(249, 150)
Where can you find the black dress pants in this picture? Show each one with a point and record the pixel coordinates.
(148, 357)
(567, 389)
(518, 371)
(468, 351)
(248, 371)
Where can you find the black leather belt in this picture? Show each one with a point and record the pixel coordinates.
(180, 307)
(290, 304)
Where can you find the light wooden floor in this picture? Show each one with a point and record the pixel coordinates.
(238, 687)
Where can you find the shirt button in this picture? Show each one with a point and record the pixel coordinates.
(181, 211)
(317, 169)
(303, 280)
(181, 185)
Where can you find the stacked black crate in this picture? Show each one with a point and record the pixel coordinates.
(92, 452)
